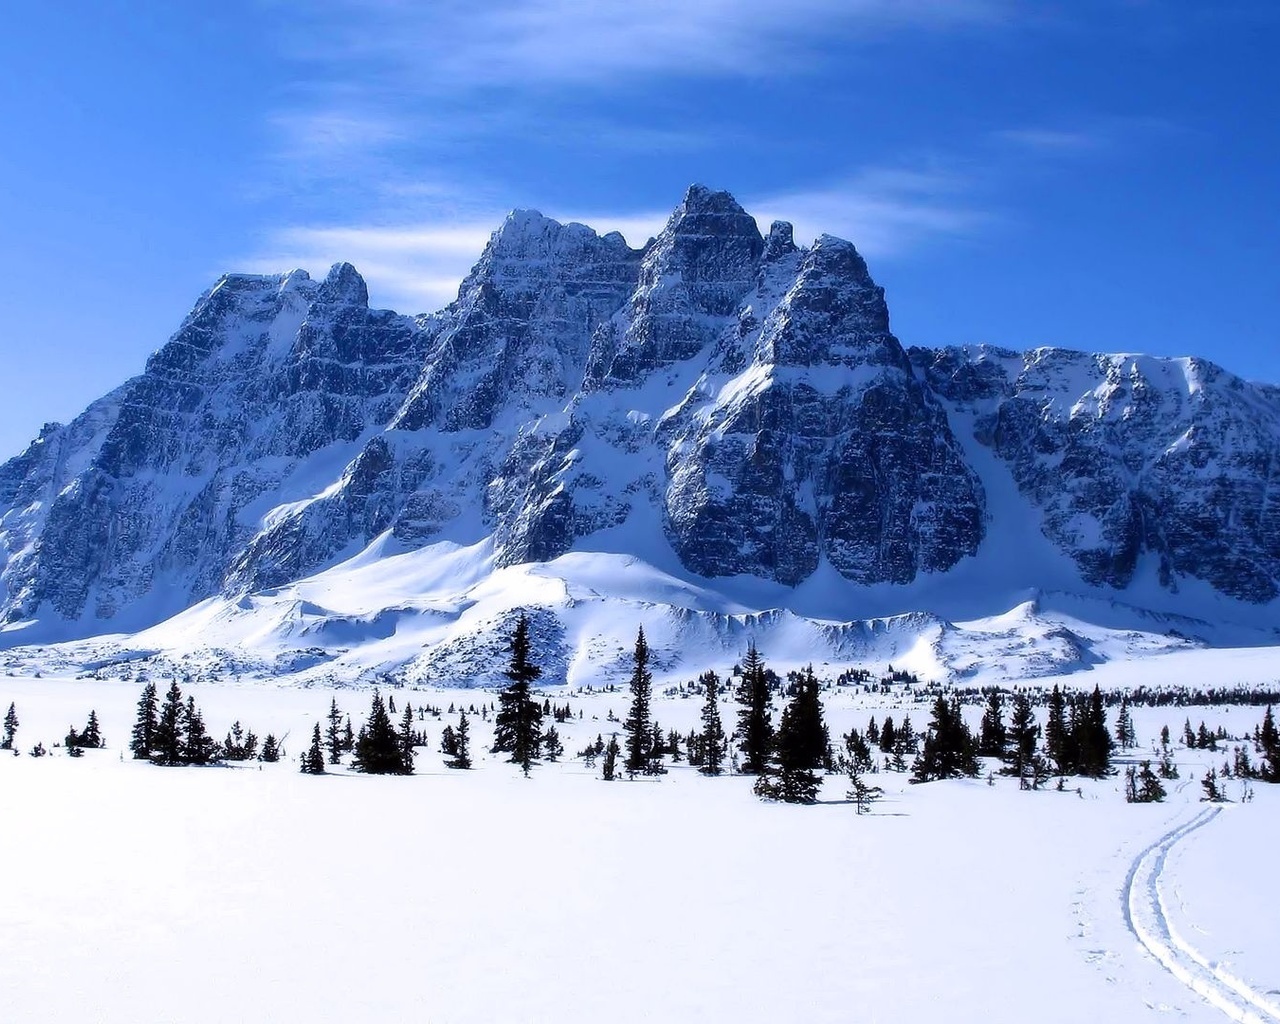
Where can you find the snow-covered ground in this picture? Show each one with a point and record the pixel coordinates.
(135, 893)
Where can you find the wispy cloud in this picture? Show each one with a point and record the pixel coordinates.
(886, 212)
(1088, 135)
(1049, 139)
(393, 77)
(452, 44)
(411, 269)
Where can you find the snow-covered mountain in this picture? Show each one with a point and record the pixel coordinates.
(715, 433)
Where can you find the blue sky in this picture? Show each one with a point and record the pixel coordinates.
(1100, 174)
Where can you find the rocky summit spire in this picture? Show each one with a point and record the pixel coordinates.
(692, 280)
(344, 286)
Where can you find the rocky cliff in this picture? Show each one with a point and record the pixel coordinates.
(723, 402)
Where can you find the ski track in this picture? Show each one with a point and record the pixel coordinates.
(1146, 915)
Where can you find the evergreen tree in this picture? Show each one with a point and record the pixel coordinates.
(167, 740)
(799, 748)
(462, 745)
(888, 736)
(407, 739)
(609, 768)
(449, 742)
(518, 723)
(313, 759)
(1057, 738)
(333, 732)
(10, 728)
(551, 745)
(638, 728)
(949, 747)
(1022, 736)
(144, 728)
(991, 735)
(1269, 741)
(1188, 736)
(348, 737)
(198, 747)
(711, 740)
(1142, 786)
(1126, 737)
(380, 750)
(270, 749)
(755, 724)
(1210, 785)
(92, 735)
(1091, 738)
(862, 795)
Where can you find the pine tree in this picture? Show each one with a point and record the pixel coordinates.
(799, 748)
(1142, 786)
(551, 745)
(991, 735)
(1057, 739)
(518, 723)
(167, 740)
(1269, 741)
(862, 795)
(888, 736)
(406, 738)
(92, 735)
(755, 724)
(270, 749)
(1091, 740)
(638, 727)
(462, 745)
(1022, 736)
(950, 750)
(609, 768)
(449, 742)
(1210, 785)
(144, 728)
(348, 737)
(711, 740)
(10, 728)
(378, 749)
(333, 732)
(1125, 735)
(198, 747)
(313, 759)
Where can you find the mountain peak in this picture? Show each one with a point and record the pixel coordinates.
(704, 212)
(344, 286)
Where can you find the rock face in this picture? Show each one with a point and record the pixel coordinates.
(138, 507)
(1131, 458)
(725, 396)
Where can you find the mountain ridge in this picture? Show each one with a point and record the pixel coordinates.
(721, 404)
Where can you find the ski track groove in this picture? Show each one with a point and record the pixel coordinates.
(1146, 915)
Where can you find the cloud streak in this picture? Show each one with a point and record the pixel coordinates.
(450, 45)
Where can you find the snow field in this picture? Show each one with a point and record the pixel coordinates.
(253, 892)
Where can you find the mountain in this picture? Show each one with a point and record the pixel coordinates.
(715, 433)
